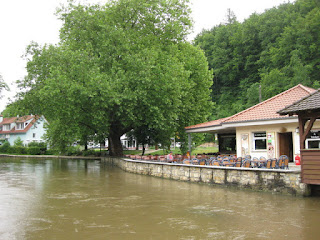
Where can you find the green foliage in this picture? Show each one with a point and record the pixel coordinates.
(277, 49)
(122, 66)
(18, 149)
(18, 142)
(37, 144)
(73, 151)
(5, 147)
(34, 150)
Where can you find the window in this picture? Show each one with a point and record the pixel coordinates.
(34, 135)
(6, 127)
(313, 143)
(259, 141)
(313, 139)
(20, 126)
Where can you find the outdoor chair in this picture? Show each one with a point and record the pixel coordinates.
(238, 164)
(202, 161)
(212, 159)
(186, 161)
(195, 161)
(262, 164)
(219, 158)
(215, 163)
(273, 163)
(268, 164)
(227, 163)
(246, 163)
(286, 162)
(255, 163)
(280, 163)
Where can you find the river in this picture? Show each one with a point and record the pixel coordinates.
(79, 199)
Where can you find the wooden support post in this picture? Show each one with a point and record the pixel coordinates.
(189, 143)
(302, 123)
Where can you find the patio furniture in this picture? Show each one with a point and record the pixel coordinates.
(237, 164)
(268, 164)
(195, 161)
(273, 163)
(286, 162)
(186, 161)
(211, 160)
(246, 163)
(280, 163)
(283, 162)
(215, 163)
(202, 161)
(255, 162)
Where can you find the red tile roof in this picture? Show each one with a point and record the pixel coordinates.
(207, 124)
(18, 120)
(265, 110)
(268, 109)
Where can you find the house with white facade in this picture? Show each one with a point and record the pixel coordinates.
(29, 128)
(260, 130)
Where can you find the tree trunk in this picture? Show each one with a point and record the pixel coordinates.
(115, 145)
(143, 149)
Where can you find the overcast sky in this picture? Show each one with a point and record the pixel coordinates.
(23, 21)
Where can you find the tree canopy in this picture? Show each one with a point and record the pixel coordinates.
(275, 50)
(122, 66)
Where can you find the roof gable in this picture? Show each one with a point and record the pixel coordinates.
(22, 119)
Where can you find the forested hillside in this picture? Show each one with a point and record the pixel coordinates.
(276, 50)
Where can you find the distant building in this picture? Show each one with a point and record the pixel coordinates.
(29, 128)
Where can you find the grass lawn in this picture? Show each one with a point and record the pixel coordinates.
(198, 150)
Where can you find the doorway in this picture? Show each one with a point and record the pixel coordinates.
(286, 145)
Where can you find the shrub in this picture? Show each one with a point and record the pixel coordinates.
(18, 150)
(18, 142)
(5, 147)
(71, 151)
(37, 144)
(34, 150)
(51, 152)
(88, 153)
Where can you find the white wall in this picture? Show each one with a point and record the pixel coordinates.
(272, 128)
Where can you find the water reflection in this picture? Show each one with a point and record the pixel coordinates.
(77, 199)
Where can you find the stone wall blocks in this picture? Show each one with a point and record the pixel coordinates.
(257, 179)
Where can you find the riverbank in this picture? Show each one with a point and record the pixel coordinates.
(268, 180)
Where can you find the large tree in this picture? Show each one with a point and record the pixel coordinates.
(122, 66)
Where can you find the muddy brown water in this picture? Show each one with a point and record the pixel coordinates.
(78, 199)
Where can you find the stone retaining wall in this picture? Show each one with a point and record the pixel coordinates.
(272, 180)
